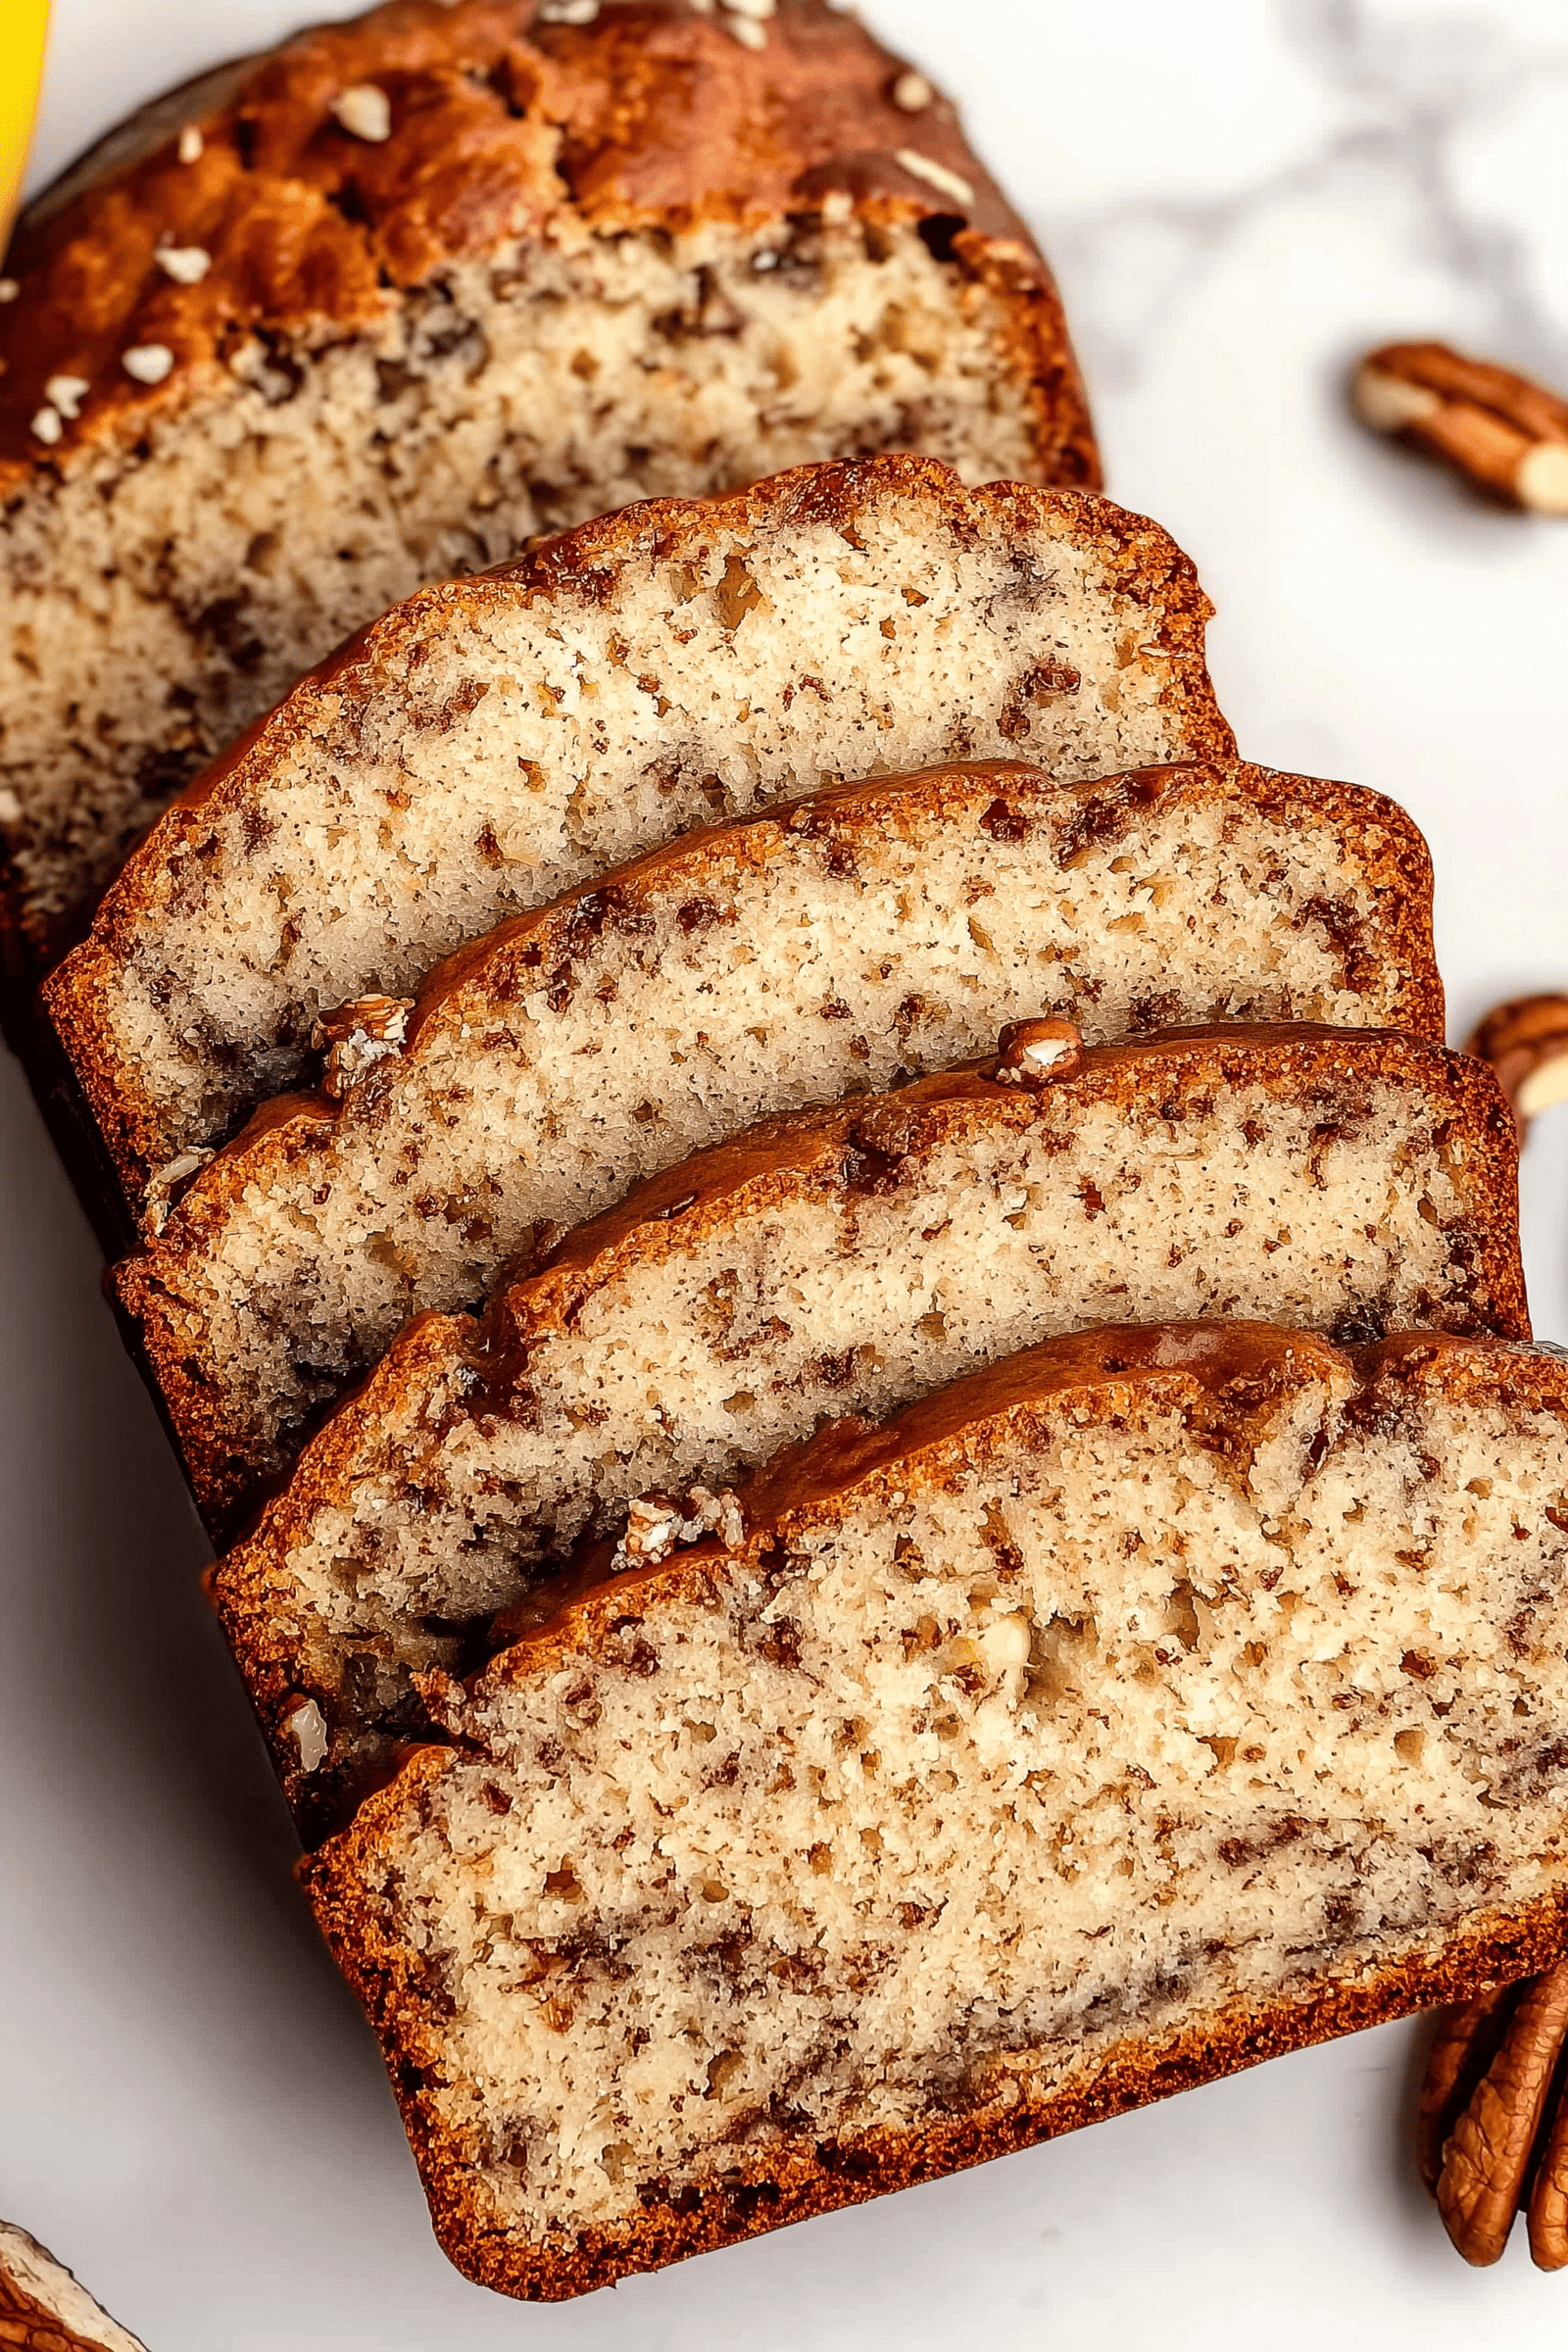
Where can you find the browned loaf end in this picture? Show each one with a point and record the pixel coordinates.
(375, 309)
(1158, 1700)
(45, 2308)
(854, 1255)
(832, 947)
(492, 742)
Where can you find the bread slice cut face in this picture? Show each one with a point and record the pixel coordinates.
(776, 961)
(1151, 1702)
(854, 1255)
(494, 741)
(383, 304)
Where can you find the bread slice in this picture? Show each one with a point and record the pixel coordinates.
(854, 1255)
(1150, 1703)
(378, 307)
(492, 742)
(43, 2307)
(828, 948)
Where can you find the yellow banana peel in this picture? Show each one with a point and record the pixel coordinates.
(23, 26)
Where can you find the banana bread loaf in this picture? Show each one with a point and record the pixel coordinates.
(821, 950)
(373, 310)
(494, 741)
(1149, 1704)
(851, 1256)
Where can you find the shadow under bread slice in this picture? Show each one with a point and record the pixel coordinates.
(1153, 1702)
(855, 1254)
(829, 947)
(496, 740)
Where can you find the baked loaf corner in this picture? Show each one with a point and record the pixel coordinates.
(382, 305)
(996, 1813)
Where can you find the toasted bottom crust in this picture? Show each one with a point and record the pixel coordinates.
(1495, 1947)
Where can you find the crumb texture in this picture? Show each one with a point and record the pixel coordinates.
(492, 742)
(1106, 1712)
(868, 1260)
(427, 284)
(760, 967)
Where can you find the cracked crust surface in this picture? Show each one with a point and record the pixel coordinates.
(586, 264)
(494, 741)
(634, 1944)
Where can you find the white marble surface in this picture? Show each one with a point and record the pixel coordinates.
(1239, 197)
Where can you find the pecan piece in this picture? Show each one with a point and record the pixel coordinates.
(357, 1036)
(1485, 2158)
(1505, 435)
(1547, 2216)
(1035, 1053)
(1525, 1042)
(45, 2308)
(1465, 2040)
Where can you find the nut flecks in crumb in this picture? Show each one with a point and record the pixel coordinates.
(191, 145)
(912, 92)
(747, 31)
(148, 363)
(935, 175)
(1525, 1042)
(47, 425)
(365, 110)
(186, 265)
(308, 1730)
(66, 393)
(1036, 1054)
(838, 206)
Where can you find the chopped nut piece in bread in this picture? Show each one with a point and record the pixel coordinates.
(44, 2308)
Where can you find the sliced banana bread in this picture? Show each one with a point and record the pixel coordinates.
(491, 742)
(1150, 1703)
(376, 307)
(826, 949)
(847, 1256)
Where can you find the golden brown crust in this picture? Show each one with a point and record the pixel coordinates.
(584, 565)
(1222, 1373)
(650, 116)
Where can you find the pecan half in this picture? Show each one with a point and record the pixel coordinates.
(1525, 1042)
(1505, 435)
(1484, 2158)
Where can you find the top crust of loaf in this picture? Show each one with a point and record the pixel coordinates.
(186, 862)
(1225, 1380)
(648, 116)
